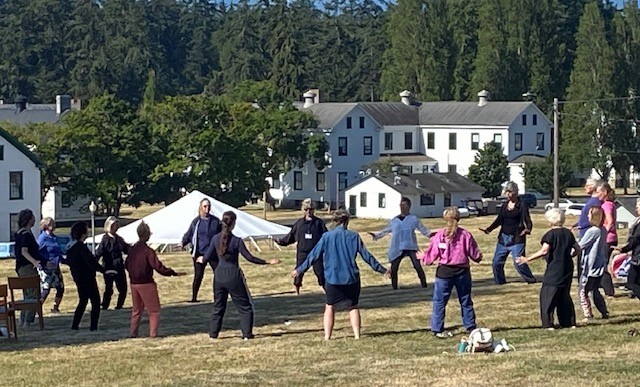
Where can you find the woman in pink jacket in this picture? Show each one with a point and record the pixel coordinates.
(452, 247)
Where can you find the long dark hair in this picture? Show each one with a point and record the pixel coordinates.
(228, 220)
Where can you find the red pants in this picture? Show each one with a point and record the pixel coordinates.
(145, 296)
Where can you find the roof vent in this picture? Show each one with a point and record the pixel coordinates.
(309, 98)
(406, 97)
(397, 180)
(21, 103)
(417, 183)
(483, 98)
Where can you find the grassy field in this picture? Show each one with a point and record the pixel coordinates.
(396, 347)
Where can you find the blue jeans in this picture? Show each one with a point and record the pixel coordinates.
(500, 257)
(442, 292)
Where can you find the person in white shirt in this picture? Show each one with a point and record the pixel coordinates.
(403, 241)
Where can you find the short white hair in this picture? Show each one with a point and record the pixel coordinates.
(555, 217)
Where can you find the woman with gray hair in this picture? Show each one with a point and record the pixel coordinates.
(515, 224)
(111, 250)
(307, 232)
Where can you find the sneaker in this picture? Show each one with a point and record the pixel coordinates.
(55, 310)
(193, 300)
(551, 329)
(443, 335)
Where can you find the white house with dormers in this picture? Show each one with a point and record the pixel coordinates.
(19, 184)
(423, 137)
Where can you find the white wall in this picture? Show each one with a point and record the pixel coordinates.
(373, 187)
(529, 133)
(398, 133)
(16, 161)
(52, 206)
(516, 174)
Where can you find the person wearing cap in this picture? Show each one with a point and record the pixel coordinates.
(403, 241)
(111, 250)
(339, 248)
(307, 231)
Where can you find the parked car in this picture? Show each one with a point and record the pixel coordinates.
(7, 250)
(563, 204)
(574, 209)
(529, 200)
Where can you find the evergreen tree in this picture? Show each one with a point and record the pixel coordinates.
(464, 25)
(437, 78)
(286, 67)
(490, 169)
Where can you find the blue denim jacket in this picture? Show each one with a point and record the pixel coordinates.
(340, 247)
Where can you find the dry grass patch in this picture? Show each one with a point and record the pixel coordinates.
(396, 347)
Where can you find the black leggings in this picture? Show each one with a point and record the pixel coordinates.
(318, 269)
(606, 283)
(120, 280)
(633, 280)
(87, 292)
(395, 264)
(198, 275)
(230, 281)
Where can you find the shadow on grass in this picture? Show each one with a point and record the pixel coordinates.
(275, 310)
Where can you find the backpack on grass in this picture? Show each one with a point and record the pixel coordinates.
(480, 340)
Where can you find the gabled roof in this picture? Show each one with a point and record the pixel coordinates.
(428, 183)
(21, 147)
(330, 113)
(391, 113)
(628, 203)
(469, 113)
(33, 113)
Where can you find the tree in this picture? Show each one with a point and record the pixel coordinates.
(287, 66)
(464, 26)
(490, 170)
(539, 176)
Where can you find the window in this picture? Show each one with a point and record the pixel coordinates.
(453, 139)
(348, 122)
(1, 152)
(382, 200)
(15, 186)
(539, 141)
(534, 120)
(342, 181)
(297, 180)
(427, 199)
(447, 199)
(408, 140)
(342, 146)
(275, 183)
(363, 199)
(367, 146)
(361, 122)
(320, 181)
(497, 137)
(408, 169)
(518, 141)
(13, 226)
(388, 141)
(65, 199)
(475, 141)
(452, 168)
(425, 169)
(431, 140)
(524, 119)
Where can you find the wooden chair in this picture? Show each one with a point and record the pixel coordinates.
(6, 313)
(26, 283)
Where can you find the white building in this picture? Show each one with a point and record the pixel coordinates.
(19, 184)
(378, 197)
(60, 205)
(422, 136)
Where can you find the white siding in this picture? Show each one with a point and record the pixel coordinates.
(16, 161)
(52, 206)
(374, 187)
(398, 135)
(529, 134)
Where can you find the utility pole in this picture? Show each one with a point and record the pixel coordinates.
(556, 167)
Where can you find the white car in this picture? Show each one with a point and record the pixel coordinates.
(563, 204)
(574, 209)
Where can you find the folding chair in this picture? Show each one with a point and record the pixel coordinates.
(33, 304)
(6, 313)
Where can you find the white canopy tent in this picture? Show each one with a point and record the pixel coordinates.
(169, 224)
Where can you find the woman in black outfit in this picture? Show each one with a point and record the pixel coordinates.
(633, 247)
(111, 250)
(229, 279)
(28, 258)
(199, 235)
(83, 267)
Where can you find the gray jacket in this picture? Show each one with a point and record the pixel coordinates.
(594, 250)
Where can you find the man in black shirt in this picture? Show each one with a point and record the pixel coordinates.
(307, 232)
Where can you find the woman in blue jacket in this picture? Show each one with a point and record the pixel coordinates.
(50, 274)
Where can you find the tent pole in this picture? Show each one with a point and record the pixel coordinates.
(253, 242)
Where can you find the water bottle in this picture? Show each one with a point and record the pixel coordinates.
(462, 347)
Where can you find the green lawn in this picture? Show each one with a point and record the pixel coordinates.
(396, 347)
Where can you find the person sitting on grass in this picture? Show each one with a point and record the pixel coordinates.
(452, 247)
(140, 263)
(559, 246)
(342, 277)
(83, 267)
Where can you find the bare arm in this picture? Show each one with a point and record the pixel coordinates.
(544, 250)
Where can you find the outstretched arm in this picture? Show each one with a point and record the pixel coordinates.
(290, 238)
(544, 250)
(380, 234)
(250, 257)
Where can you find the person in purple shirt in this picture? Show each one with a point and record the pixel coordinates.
(452, 247)
(593, 188)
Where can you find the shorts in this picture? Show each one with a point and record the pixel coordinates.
(50, 279)
(339, 293)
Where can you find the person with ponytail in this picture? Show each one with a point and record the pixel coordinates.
(452, 247)
(228, 278)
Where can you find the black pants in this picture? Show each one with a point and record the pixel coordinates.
(593, 286)
(87, 292)
(395, 264)
(121, 284)
(633, 280)
(230, 281)
(198, 275)
(318, 269)
(556, 299)
(606, 283)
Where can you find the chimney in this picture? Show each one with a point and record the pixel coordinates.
(406, 97)
(309, 99)
(63, 103)
(397, 180)
(21, 103)
(316, 99)
(483, 98)
(76, 104)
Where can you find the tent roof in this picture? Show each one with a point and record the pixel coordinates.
(169, 224)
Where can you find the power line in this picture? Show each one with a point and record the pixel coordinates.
(632, 120)
(629, 98)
